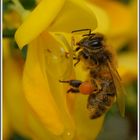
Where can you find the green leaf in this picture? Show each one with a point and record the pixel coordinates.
(28, 4)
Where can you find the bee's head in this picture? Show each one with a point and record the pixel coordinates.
(91, 41)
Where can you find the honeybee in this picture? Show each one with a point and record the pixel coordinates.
(104, 83)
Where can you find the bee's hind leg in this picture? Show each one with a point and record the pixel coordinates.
(75, 85)
(73, 90)
(97, 84)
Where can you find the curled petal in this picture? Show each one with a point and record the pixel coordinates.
(56, 66)
(102, 20)
(38, 93)
(73, 16)
(46, 64)
(40, 18)
(56, 16)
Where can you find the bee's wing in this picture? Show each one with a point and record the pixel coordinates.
(119, 89)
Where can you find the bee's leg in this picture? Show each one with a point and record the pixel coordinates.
(97, 84)
(73, 90)
(82, 30)
(83, 54)
(73, 83)
(77, 49)
(95, 60)
(78, 60)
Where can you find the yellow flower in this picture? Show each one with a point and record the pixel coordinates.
(40, 105)
(53, 20)
(44, 110)
(14, 105)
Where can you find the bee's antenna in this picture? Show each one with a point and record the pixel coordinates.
(64, 81)
(91, 34)
(82, 30)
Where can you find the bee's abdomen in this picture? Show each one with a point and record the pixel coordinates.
(99, 103)
(96, 111)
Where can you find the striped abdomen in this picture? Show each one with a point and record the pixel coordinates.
(100, 102)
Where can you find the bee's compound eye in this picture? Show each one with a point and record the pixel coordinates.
(86, 88)
(96, 43)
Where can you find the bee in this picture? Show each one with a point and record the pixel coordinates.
(104, 83)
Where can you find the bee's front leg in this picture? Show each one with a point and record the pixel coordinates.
(82, 54)
(78, 60)
(73, 83)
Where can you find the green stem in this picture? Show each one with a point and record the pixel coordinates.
(20, 9)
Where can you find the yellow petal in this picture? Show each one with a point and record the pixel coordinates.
(40, 18)
(38, 93)
(6, 123)
(72, 16)
(16, 108)
(119, 16)
(57, 67)
(134, 14)
(6, 50)
(102, 20)
(128, 66)
(121, 19)
(17, 112)
(39, 132)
